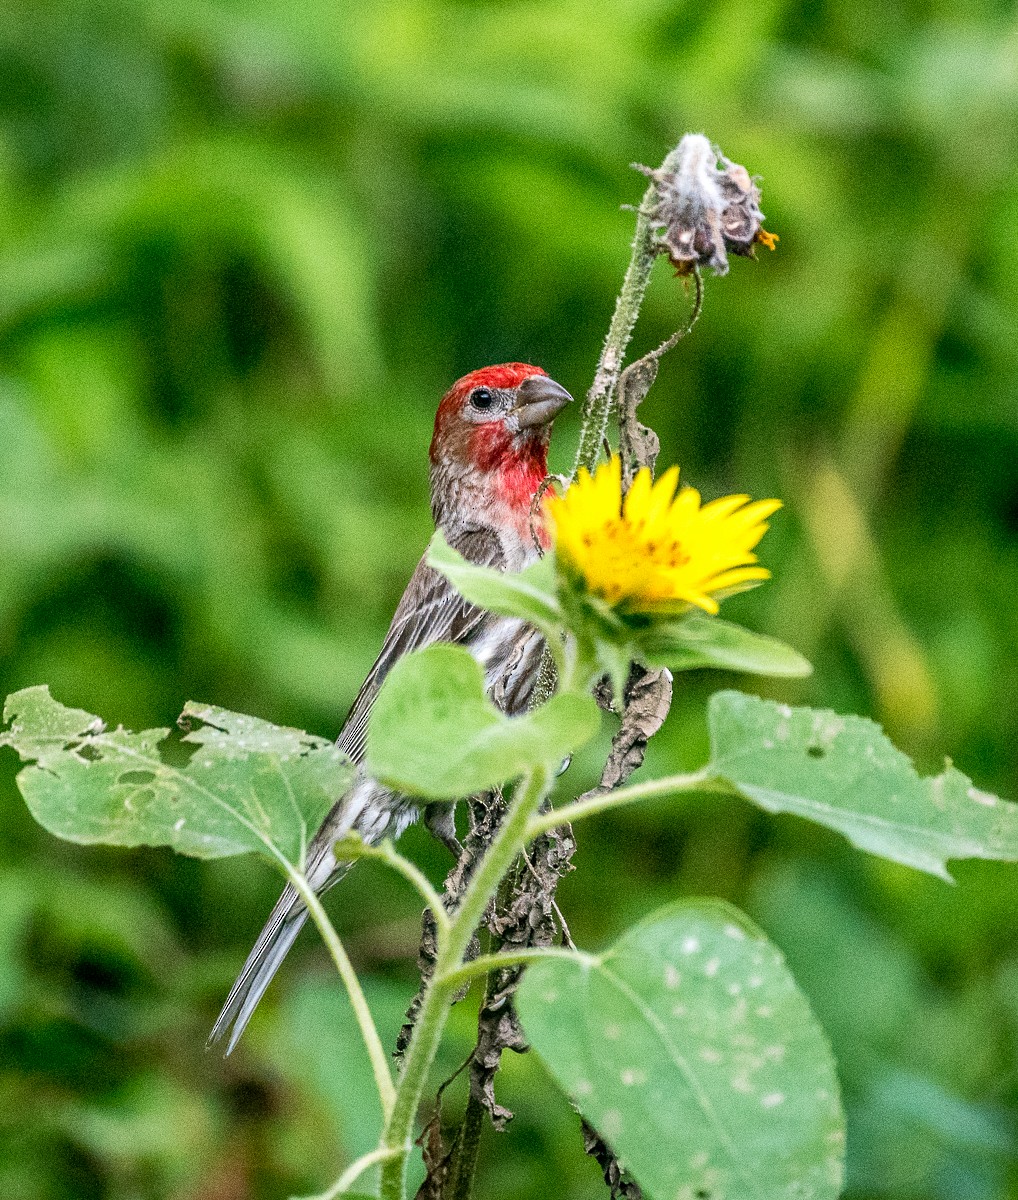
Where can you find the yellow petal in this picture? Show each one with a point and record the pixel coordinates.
(662, 494)
(659, 550)
(638, 498)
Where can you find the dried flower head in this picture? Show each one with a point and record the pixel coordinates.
(706, 207)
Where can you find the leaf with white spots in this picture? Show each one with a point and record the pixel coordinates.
(692, 1052)
(843, 772)
(248, 785)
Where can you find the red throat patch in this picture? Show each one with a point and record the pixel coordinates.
(521, 463)
(480, 467)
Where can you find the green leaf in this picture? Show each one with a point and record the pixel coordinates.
(698, 640)
(844, 773)
(690, 1049)
(249, 785)
(434, 733)
(528, 594)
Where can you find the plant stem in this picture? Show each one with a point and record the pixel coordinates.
(703, 780)
(353, 1172)
(597, 404)
(486, 963)
(469, 1146)
(434, 1011)
(373, 1043)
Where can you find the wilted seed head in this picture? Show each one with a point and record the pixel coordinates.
(706, 206)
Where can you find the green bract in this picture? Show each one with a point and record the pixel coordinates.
(699, 640)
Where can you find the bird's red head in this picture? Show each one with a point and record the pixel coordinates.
(496, 423)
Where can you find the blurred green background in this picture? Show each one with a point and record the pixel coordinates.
(244, 247)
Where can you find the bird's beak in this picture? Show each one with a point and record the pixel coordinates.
(539, 400)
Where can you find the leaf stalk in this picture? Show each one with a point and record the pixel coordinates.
(365, 1022)
(703, 780)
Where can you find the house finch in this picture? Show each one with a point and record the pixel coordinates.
(488, 458)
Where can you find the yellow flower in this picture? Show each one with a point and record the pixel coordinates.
(656, 551)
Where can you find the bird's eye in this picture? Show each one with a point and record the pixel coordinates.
(481, 398)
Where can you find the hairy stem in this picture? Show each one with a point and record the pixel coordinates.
(434, 1011)
(486, 963)
(697, 781)
(372, 1042)
(597, 404)
(353, 1172)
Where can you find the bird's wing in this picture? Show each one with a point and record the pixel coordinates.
(431, 610)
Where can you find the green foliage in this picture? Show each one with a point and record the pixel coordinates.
(434, 732)
(528, 594)
(690, 1048)
(251, 786)
(692, 641)
(843, 772)
(660, 1042)
(243, 249)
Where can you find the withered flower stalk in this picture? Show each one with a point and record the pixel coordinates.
(699, 206)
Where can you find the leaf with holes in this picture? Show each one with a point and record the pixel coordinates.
(690, 1049)
(844, 773)
(249, 785)
(434, 733)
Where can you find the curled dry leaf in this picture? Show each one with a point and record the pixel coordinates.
(638, 445)
(648, 699)
(621, 1185)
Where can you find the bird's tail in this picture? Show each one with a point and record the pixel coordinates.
(361, 810)
(281, 929)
